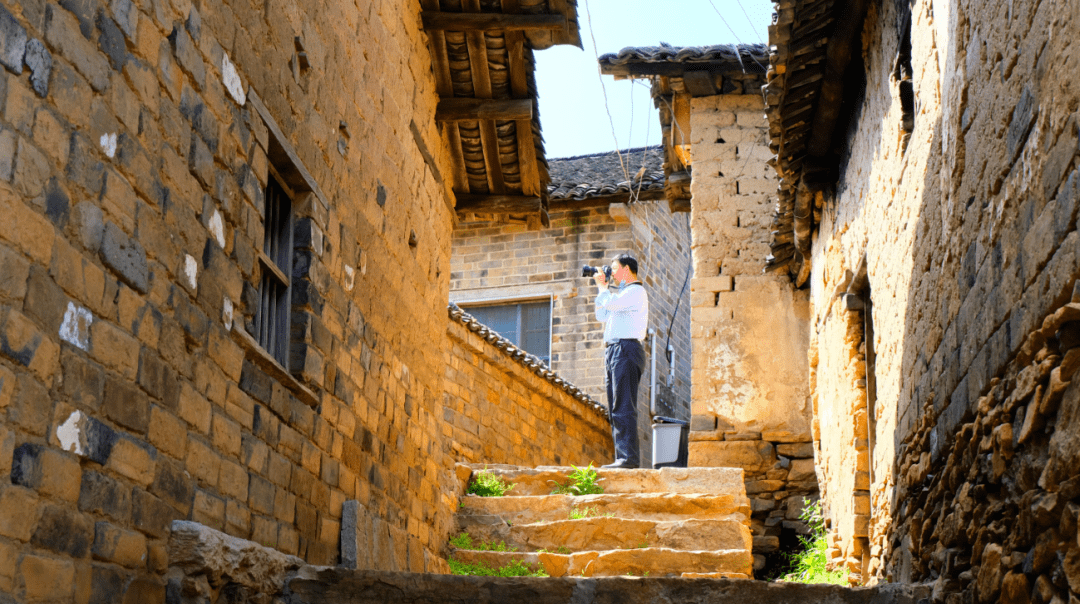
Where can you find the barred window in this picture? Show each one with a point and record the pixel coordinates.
(272, 318)
(526, 324)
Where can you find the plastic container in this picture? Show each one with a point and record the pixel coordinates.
(670, 445)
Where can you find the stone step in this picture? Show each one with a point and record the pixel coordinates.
(609, 533)
(336, 585)
(654, 506)
(648, 561)
(541, 480)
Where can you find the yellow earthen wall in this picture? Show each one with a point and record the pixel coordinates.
(969, 231)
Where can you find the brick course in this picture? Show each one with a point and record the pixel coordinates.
(132, 197)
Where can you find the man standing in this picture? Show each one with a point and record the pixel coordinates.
(625, 315)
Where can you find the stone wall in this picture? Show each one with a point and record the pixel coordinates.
(749, 329)
(968, 227)
(494, 262)
(498, 409)
(135, 142)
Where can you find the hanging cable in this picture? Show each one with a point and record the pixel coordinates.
(603, 88)
(738, 51)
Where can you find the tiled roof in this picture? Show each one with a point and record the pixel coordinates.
(531, 362)
(751, 57)
(602, 174)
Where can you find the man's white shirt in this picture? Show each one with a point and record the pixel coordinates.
(625, 313)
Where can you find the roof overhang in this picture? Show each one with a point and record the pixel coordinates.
(487, 112)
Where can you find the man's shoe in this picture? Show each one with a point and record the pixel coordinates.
(621, 464)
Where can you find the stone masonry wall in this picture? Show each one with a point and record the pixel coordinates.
(968, 227)
(749, 330)
(135, 141)
(493, 262)
(497, 410)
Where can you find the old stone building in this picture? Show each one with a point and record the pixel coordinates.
(927, 155)
(750, 397)
(528, 283)
(224, 273)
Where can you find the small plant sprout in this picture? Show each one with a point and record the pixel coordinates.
(515, 568)
(582, 481)
(809, 565)
(462, 541)
(487, 484)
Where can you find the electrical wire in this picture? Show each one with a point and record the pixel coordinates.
(603, 88)
(738, 53)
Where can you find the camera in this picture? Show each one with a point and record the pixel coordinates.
(589, 271)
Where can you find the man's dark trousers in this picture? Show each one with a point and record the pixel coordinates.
(624, 361)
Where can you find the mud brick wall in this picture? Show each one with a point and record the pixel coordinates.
(498, 410)
(968, 227)
(750, 407)
(492, 262)
(135, 142)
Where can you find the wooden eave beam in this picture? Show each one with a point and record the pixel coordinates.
(841, 45)
(466, 109)
(440, 21)
(498, 204)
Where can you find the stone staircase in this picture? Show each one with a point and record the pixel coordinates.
(675, 522)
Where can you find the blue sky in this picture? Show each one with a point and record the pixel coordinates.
(572, 108)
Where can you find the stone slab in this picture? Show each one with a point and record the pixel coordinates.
(539, 481)
(655, 506)
(323, 585)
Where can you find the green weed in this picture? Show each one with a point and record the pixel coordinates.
(809, 565)
(487, 484)
(583, 481)
(515, 568)
(464, 541)
(562, 549)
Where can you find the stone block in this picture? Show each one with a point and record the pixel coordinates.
(46, 470)
(223, 558)
(203, 463)
(126, 257)
(151, 515)
(84, 435)
(112, 43)
(39, 60)
(47, 579)
(133, 459)
(106, 583)
(187, 55)
(63, 530)
(751, 456)
(101, 494)
(797, 450)
(12, 42)
(30, 410)
(26, 230)
(62, 31)
(114, 544)
(802, 470)
(167, 432)
(126, 404)
(173, 485)
(18, 512)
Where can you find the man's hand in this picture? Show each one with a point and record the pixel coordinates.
(600, 279)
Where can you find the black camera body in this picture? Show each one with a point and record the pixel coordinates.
(589, 271)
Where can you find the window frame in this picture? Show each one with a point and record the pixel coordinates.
(519, 302)
(273, 332)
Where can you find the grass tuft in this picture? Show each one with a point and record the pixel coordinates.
(515, 568)
(487, 484)
(583, 481)
(811, 564)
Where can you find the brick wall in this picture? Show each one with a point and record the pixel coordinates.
(498, 410)
(492, 262)
(135, 142)
(749, 329)
(968, 226)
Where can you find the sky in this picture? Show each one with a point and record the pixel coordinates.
(573, 113)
